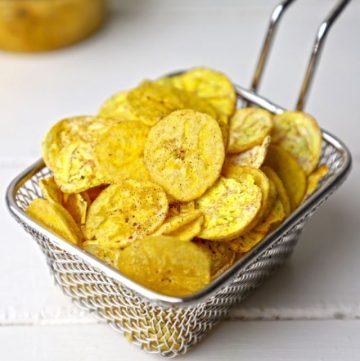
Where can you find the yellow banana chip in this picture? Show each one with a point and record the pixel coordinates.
(261, 180)
(184, 153)
(289, 171)
(251, 238)
(117, 107)
(188, 231)
(126, 211)
(50, 190)
(108, 255)
(299, 134)
(167, 265)
(315, 178)
(150, 102)
(77, 205)
(68, 151)
(229, 207)
(248, 128)
(280, 189)
(208, 84)
(175, 222)
(253, 157)
(56, 218)
(222, 256)
(119, 152)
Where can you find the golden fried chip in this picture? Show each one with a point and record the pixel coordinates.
(315, 178)
(261, 180)
(175, 222)
(289, 171)
(299, 134)
(68, 131)
(184, 153)
(208, 84)
(251, 238)
(166, 265)
(50, 190)
(229, 207)
(150, 102)
(126, 211)
(248, 128)
(77, 205)
(68, 151)
(188, 231)
(108, 255)
(117, 107)
(56, 218)
(77, 169)
(253, 157)
(119, 152)
(280, 188)
(222, 256)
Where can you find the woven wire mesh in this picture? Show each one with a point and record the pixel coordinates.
(167, 330)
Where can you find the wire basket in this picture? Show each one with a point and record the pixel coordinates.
(163, 324)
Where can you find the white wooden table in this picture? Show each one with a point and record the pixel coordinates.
(310, 309)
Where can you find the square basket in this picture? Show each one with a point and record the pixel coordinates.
(172, 325)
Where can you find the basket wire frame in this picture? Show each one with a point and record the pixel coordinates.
(165, 325)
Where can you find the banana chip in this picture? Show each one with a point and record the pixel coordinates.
(119, 152)
(126, 211)
(299, 134)
(253, 157)
(248, 128)
(280, 189)
(229, 207)
(77, 205)
(222, 256)
(250, 239)
(50, 190)
(150, 102)
(188, 231)
(56, 218)
(289, 171)
(108, 255)
(184, 153)
(117, 107)
(315, 178)
(175, 222)
(208, 84)
(167, 265)
(261, 180)
(68, 150)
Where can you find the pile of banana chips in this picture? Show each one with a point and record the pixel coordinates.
(171, 184)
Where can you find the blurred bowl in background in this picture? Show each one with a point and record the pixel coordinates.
(39, 25)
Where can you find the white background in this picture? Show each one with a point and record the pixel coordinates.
(310, 309)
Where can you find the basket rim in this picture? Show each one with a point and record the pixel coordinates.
(223, 280)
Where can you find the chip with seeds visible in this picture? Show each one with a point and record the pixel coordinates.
(126, 211)
(184, 153)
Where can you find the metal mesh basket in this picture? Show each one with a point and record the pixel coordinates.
(158, 323)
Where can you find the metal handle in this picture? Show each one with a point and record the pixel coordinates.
(321, 35)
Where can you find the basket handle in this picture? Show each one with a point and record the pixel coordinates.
(320, 38)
